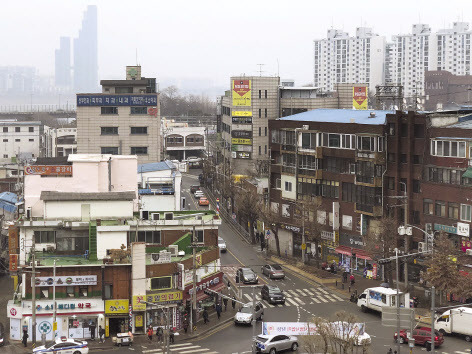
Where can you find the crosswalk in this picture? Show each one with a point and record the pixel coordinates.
(456, 352)
(181, 348)
(300, 297)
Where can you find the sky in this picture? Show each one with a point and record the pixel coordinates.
(207, 41)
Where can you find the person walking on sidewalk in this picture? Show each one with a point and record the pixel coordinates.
(92, 331)
(205, 316)
(171, 335)
(185, 323)
(150, 333)
(345, 277)
(101, 333)
(233, 302)
(25, 337)
(225, 302)
(218, 310)
(352, 279)
(160, 334)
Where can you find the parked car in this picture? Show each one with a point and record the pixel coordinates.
(273, 271)
(203, 201)
(246, 276)
(221, 244)
(198, 194)
(272, 294)
(2, 335)
(72, 346)
(244, 315)
(422, 336)
(275, 343)
(193, 189)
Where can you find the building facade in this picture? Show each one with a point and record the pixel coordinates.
(62, 64)
(124, 119)
(183, 142)
(28, 139)
(446, 91)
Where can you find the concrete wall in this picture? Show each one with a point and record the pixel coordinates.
(72, 210)
(285, 242)
(110, 237)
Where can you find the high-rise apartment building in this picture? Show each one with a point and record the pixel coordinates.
(62, 63)
(343, 59)
(86, 53)
(122, 120)
(453, 49)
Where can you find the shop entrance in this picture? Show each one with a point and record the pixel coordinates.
(117, 325)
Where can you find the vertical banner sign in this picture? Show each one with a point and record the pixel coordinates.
(359, 97)
(217, 206)
(241, 92)
(374, 271)
(335, 216)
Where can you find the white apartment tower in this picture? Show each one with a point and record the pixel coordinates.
(343, 59)
(453, 49)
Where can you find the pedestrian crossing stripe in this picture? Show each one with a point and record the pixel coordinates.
(181, 348)
(294, 298)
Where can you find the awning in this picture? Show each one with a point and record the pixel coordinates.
(361, 254)
(217, 288)
(468, 173)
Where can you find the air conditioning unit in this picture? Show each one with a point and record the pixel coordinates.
(155, 216)
(198, 217)
(174, 250)
(169, 216)
(422, 247)
(468, 252)
(305, 127)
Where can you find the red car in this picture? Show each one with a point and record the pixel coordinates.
(422, 336)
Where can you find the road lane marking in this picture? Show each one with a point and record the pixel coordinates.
(301, 292)
(299, 300)
(330, 298)
(194, 351)
(323, 299)
(152, 351)
(323, 291)
(316, 300)
(212, 332)
(291, 301)
(337, 297)
(188, 347)
(180, 345)
(231, 253)
(308, 292)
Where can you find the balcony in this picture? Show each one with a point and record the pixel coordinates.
(366, 209)
(289, 148)
(288, 169)
(368, 181)
(310, 173)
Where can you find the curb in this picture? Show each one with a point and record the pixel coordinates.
(209, 329)
(302, 272)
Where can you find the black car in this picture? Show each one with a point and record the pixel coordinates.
(246, 276)
(272, 294)
(193, 189)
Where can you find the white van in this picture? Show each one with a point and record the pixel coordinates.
(378, 297)
(458, 320)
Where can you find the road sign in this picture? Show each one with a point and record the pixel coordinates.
(389, 316)
(267, 235)
(303, 246)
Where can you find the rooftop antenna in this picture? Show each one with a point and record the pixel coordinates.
(137, 57)
(260, 69)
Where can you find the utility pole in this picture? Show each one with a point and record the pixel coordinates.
(254, 322)
(54, 322)
(193, 313)
(167, 339)
(33, 297)
(397, 302)
(433, 294)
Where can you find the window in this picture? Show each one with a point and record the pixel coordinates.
(260, 131)
(138, 110)
(391, 183)
(139, 150)
(466, 212)
(109, 130)
(199, 236)
(404, 130)
(109, 110)
(108, 291)
(5, 129)
(416, 186)
(265, 131)
(419, 131)
(139, 130)
(366, 143)
(278, 183)
(260, 150)
(17, 129)
(161, 283)
(260, 93)
(448, 148)
(391, 128)
(70, 291)
(417, 159)
(31, 129)
(17, 140)
(265, 112)
(31, 140)
(334, 140)
(5, 140)
(428, 206)
(44, 293)
(260, 113)
(308, 140)
(44, 236)
(265, 149)
(403, 158)
(440, 208)
(288, 186)
(391, 157)
(83, 291)
(453, 211)
(265, 93)
(111, 150)
(5, 156)
(415, 217)
(149, 236)
(349, 194)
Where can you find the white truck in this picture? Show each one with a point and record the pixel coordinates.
(378, 297)
(458, 320)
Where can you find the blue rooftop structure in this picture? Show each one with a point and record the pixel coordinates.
(341, 116)
(156, 166)
(7, 201)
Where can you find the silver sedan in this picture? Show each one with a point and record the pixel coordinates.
(273, 271)
(275, 343)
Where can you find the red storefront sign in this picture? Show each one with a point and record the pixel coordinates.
(13, 262)
(213, 282)
(49, 170)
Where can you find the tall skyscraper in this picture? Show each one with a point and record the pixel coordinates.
(340, 58)
(63, 64)
(86, 53)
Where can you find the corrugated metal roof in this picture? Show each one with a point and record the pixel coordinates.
(8, 197)
(340, 116)
(156, 166)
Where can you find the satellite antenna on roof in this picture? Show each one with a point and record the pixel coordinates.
(260, 69)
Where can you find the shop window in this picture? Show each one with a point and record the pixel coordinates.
(83, 291)
(428, 206)
(70, 291)
(108, 291)
(161, 283)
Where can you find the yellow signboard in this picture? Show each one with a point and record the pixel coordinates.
(54, 326)
(139, 303)
(198, 260)
(107, 327)
(241, 92)
(167, 296)
(138, 321)
(239, 141)
(116, 306)
(359, 97)
(241, 113)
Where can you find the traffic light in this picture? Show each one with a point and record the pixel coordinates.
(384, 261)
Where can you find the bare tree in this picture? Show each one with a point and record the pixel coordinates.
(121, 255)
(381, 241)
(248, 206)
(175, 104)
(309, 220)
(272, 221)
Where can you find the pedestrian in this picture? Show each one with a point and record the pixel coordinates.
(25, 337)
(257, 237)
(160, 334)
(218, 310)
(150, 332)
(344, 277)
(171, 335)
(92, 330)
(262, 245)
(233, 302)
(205, 316)
(225, 302)
(186, 323)
(101, 333)
(390, 351)
(352, 279)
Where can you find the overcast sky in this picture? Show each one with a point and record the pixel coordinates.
(208, 40)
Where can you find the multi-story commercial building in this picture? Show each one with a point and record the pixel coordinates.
(124, 119)
(86, 53)
(343, 59)
(446, 91)
(182, 142)
(253, 102)
(62, 72)
(23, 139)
